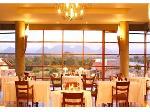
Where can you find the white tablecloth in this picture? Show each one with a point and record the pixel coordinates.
(5, 79)
(56, 97)
(136, 92)
(40, 88)
(66, 79)
(8, 72)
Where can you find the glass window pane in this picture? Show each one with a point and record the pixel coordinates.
(93, 36)
(136, 63)
(90, 59)
(35, 35)
(111, 48)
(37, 71)
(9, 58)
(7, 37)
(148, 37)
(73, 35)
(111, 37)
(33, 60)
(50, 70)
(52, 35)
(72, 48)
(136, 37)
(7, 47)
(34, 48)
(72, 60)
(92, 48)
(55, 48)
(148, 48)
(111, 71)
(136, 48)
(53, 60)
(112, 60)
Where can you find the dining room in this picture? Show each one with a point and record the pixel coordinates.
(75, 54)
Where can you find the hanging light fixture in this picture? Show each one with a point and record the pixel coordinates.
(71, 11)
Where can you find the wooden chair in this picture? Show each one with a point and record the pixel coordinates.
(76, 74)
(121, 92)
(24, 92)
(56, 82)
(88, 83)
(147, 88)
(72, 99)
(27, 75)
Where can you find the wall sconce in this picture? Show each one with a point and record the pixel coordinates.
(27, 30)
(118, 37)
(26, 36)
(119, 33)
(149, 15)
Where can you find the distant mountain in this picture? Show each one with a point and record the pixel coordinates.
(71, 49)
(9, 50)
(68, 48)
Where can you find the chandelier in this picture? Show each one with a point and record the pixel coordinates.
(71, 11)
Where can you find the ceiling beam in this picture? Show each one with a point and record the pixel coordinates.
(107, 27)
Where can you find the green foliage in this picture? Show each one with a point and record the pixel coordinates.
(137, 67)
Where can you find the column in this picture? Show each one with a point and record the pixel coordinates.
(20, 47)
(124, 48)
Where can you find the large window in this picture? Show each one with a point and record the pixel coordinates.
(136, 52)
(51, 50)
(112, 58)
(7, 51)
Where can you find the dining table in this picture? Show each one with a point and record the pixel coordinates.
(66, 79)
(40, 88)
(136, 92)
(57, 96)
(5, 79)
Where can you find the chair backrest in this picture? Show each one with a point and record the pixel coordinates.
(22, 87)
(88, 82)
(122, 87)
(72, 99)
(56, 81)
(24, 92)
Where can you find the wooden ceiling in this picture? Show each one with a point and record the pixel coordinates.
(96, 13)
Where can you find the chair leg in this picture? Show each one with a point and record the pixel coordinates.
(36, 104)
(116, 103)
(95, 100)
(32, 102)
